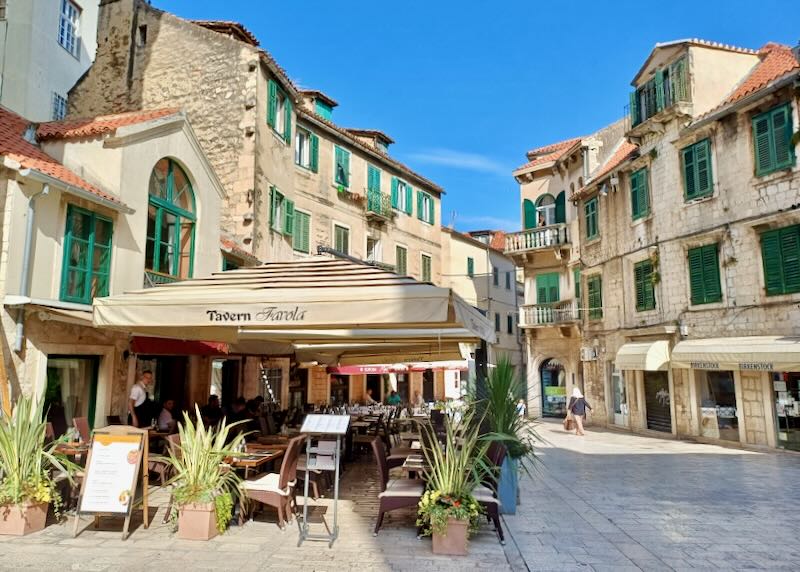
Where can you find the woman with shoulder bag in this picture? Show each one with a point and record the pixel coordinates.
(577, 410)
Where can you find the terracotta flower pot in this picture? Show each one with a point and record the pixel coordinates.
(197, 521)
(23, 519)
(454, 540)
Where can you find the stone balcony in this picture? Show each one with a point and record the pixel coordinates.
(544, 315)
(523, 246)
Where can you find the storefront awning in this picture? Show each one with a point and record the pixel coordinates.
(398, 367)
(164, 347)
(759, 353)
(644, 356)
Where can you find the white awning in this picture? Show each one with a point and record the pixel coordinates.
(758, 353)
(645, 356)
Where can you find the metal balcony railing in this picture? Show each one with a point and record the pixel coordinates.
(538, 315)
(153, 278)
(536, 238)
(669, 87)
(379, 203)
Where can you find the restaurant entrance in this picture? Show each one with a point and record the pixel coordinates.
(786, 386)
(169, 374)
(657, 401)
(71, 390)
(375, 383)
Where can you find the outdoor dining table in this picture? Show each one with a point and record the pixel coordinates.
(254, 461)
(413, 465)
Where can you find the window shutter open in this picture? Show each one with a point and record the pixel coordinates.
(561, 207)
(314, 159)
(790, 257)
(712, 290)
(395, 197)
(696, 282)
(409, 198)
(782, 135)
(771, 258)
(288, 217)
(633, 108)
(272, 206)
(431, 208)
(688, 172)
(528, 214)
(300, 239)
(287, 122)
(659, 89)
(272, 103)
(761, 142)
(703, 162)
(470, 266)
(346, 164)
(419, 205)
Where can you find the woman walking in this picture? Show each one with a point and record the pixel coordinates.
(577, 408)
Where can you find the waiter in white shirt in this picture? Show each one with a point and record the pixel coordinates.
(139, 403)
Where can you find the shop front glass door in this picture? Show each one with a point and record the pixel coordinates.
(718, 416)
(620, 397)
(554, 390)
(787, 409)
(71, 390)
(657, 401)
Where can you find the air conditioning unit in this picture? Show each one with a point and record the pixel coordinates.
(588, 354)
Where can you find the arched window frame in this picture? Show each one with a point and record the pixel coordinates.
(540, 210)
(167, 205)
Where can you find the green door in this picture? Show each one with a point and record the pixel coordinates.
(547, 294)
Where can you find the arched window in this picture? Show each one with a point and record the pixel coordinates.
(170, 224)
(546, 210)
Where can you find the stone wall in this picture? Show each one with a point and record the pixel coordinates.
(755, 418)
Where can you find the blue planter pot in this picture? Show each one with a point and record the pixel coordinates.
(507, 486)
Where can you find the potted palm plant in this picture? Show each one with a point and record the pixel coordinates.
(27, 463)
(505, 425)
(447, 510)
(203, 489)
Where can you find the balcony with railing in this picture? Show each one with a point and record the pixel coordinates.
(666, 94)
(153, 278)
(379, 206)
(543, 315)
(551, 236)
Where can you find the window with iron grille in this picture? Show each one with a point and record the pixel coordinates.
(68, 27)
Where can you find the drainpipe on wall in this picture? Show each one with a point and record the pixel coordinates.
(24, 282)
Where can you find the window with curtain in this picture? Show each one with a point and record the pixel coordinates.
(171, 219)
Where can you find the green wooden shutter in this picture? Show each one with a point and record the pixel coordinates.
(594, 288)
(576, 276)
(659, 89)
(373, 179)
(696, 281)
(272, 103)
(639, 196)
(314, 159)
(401, 261)
(287, 121)
(561, 207)
(590, 216)
(420, 216)
(703, 161)
(765, 162)
(712, 289)
(409, 198)
(288, 217)
(633, 108)
(395, 196)
(302, 231)
(470, 266)
(790, 258)
(771, 259)
(689, 186)
(528, 214)
(431, 210)
(781, 124)
(547, 288)
(342, 176)
(273, 204)
(645, 290)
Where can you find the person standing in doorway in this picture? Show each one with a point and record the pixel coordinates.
(577, 408)
(139, 404)
(368, 399)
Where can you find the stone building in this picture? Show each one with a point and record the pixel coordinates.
(476, 269)
(45, 46)
(690, 250)
(94, 208)
(548, 251)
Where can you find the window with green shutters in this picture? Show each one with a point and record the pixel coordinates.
(697, 179)
(281, 212)
(590, 218)
(401, 195)
(780, 254)
(425, 207)
(426, 267)
(576, 277)
(306, 149)
(279, 111)
(373, 179)
(401, 260)
(594, 292)
(341, 167)
(643, 283)
(87, 256)
(341, 239)
(704, 283)
(640, 201)
(470, 266)
(772, 140)
(547, 288)
(301, 237)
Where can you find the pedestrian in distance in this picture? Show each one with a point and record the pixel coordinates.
(577, 409)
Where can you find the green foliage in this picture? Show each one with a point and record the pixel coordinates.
(26, 463)
(198, 472)
(454, 469)
(504, 388)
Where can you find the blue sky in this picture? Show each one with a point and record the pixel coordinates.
(465, 88)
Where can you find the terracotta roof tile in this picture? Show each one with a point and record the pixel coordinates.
(776, 61)
(14, 146)
(235, 29)
(498, 241)
(624, 152)
(91, 126)
(548, 153)
(230, 246)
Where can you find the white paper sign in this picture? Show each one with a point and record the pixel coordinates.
(110, 475)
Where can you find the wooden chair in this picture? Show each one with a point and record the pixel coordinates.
(277, 489)
(162, 467)
(81, 425)
(395, 493)
(486, 493)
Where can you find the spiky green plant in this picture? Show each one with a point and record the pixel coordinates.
(26, 462)
(198, 475)
(454, 469)
(504, 388)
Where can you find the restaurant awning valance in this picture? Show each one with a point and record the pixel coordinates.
(759, 353)
(164, 346)
(645, 356)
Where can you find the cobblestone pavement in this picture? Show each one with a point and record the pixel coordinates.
(615, 501)
(607, 501)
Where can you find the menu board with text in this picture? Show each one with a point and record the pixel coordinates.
(110, 482)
